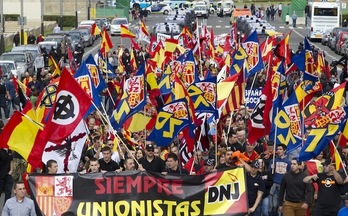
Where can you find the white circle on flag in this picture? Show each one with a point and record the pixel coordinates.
(67, 108)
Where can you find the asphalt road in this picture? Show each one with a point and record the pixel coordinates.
(221, 26)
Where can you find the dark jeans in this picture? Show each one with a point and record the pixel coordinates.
(6, 186)
(294, 23)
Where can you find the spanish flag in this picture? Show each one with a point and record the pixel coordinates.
(106, 43)
(95, 29)
(22, 134)
(126, 33)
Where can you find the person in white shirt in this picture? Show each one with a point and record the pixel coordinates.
(39, 65)
(19, 204)
(56, 29)
(280, 7)
(287, 19)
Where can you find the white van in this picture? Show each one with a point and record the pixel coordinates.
(228, 7)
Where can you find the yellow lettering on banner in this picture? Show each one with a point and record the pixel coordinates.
(241, 54)
(138, 207)
(182, 207)
(195, 91)
(99, 208)
(196, 210)
(332, 129)
(282, 121)
(84, 209)
(149, 210)
(111, 208)
(156, 205)
(170, 205)
(122, 205)
(165, 82)
(124, 110)
(162, 119)
(317, 134)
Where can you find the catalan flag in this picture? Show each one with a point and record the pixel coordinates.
(284, 49)
(126, 33)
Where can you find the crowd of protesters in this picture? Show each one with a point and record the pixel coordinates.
(277, 182)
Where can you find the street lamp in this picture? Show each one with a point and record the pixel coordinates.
(61, 15)
(2, 27)
(76, 15)
(22, 23)
(42, 18)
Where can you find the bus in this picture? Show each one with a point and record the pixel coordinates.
(321, 16)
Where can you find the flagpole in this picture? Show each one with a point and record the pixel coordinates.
(216, 158)
(33, 121)
(114, 133)
(274, 144)
(339, 156)
(195, 148)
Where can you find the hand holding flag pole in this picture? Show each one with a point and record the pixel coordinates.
(114, 132)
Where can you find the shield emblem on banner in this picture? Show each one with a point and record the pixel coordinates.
(135, 90)
(62, 204)
(93, 70)
(63, 192)
(45, 193)
(251, 48)
(188, 74)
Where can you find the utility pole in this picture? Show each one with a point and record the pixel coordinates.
(2, 27)
(22, 22)
(76, 15)
(88, 9)
(42, 18)
(61, 15)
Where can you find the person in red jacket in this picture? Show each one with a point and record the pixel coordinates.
(196, 164)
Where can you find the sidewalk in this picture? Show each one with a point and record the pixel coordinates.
(11, 27)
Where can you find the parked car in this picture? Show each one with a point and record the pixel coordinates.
(76, 37)
(335, 34)
(89, 29)
(9, 66)
(105, 21)
(116, 23)
(86, 35)
(24, 60)
(341, 39)
(91, 23)
(160, 8)
(58, 37)
(32, 48)
(48, 45)
(201, 11)
(344, 47)
(325, 38)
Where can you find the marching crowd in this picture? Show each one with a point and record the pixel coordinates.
(277, 183)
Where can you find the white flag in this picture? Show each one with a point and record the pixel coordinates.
(68, 153)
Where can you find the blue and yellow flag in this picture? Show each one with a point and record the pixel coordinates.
(203, 95)
(171, 120)
(238, 57)
(254, 61)
(304, 61)
(288, 123)
(133, 100)
(325, 116)
(97, 78)
(189, 73)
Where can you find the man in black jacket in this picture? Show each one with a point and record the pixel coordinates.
(31, 38)
(16, 39)
(298, 195)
